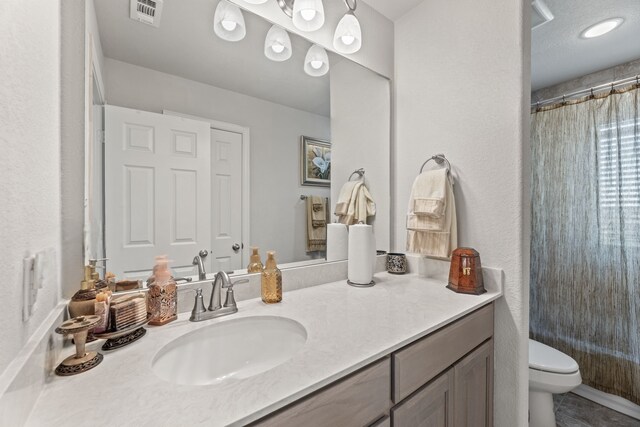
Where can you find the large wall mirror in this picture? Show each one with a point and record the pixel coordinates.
(198, 143)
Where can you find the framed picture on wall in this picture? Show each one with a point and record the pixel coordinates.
(315, 162)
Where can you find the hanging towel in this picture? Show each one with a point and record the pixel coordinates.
(361, 207)
(342, 205)
(357, 206)
(431, 219)
(316, 223)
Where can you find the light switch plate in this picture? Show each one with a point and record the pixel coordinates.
(28, 297)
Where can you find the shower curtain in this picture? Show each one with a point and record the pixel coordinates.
(585, 243)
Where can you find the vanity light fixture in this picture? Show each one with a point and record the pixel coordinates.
(277, 44)
(316, 63)
(228, 22)
(308, 15)
(601, 28)
(348, 35)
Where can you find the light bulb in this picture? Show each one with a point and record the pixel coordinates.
(228, 22)
(308, 14)
(316, 62)
(277, 47)
(348, 39)
(229, 25)
(348, 35)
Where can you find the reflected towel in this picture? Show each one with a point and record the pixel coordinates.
(342, 204)
(316, 223)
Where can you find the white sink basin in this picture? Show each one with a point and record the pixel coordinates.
(231, 350)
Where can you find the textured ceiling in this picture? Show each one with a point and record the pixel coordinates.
(185, 45)
(558, 54)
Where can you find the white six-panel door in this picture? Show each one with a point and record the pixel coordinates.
(157, 191)
(226, 199)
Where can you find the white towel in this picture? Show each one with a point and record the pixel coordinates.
(432, 229)
(357, 207)
(342, 204)
(428, 194)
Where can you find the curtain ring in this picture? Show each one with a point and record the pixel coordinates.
(563, 99)
(612, 90)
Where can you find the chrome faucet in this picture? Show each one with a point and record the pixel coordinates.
(199, 261)
(221, 281)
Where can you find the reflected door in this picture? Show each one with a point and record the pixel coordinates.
(226, 197)
(157, 191)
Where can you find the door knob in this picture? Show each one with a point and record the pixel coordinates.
(235, 247)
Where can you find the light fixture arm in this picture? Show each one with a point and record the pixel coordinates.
(287, 7)
(351, 8)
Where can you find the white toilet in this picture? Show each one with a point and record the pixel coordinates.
(550, 372)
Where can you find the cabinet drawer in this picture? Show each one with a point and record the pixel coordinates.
(355, 401)
(418, 363)
(430, 407)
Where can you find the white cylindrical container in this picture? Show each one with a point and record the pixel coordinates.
(337, 242)
(361, 255)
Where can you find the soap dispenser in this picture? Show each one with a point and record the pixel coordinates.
(162, 298)
(271, 280)
(255, 263)
(83, 302)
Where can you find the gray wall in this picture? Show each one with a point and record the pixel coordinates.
(30, 113)
(462, 89)
(361, 132)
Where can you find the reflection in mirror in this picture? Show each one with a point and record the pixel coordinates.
(214, 147)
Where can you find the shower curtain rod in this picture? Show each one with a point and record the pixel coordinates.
(565, 97)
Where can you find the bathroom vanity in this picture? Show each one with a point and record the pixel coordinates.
(407, 349)
(444, 379)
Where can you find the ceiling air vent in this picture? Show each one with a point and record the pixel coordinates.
(540, 14)
(146, 11)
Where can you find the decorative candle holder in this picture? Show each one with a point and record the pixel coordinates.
(81, 361)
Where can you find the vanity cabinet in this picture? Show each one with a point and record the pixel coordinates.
(357, 400)
(462, 396)
(442, 380)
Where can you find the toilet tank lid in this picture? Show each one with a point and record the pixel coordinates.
(548, 359)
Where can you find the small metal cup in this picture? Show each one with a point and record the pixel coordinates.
(396, 263)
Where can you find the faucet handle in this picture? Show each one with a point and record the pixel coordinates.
(231, 284)
(198, 306)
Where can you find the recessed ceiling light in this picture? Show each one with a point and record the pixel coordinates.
(601, 28)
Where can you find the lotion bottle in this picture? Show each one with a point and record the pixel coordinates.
(271, 280)
(162, 298)
(255, 263)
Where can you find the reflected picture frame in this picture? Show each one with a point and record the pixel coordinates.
(315, 162)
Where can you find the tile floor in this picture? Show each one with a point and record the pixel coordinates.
(575, 411)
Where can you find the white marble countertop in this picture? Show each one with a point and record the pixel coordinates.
(347, 328)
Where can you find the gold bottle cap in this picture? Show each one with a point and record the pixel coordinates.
(88, 282)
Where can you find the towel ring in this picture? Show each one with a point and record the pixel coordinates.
(439, 159)
(359, 172)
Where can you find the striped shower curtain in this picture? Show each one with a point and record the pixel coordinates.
(585, 243)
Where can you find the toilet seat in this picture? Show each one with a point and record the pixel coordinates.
(548, 359)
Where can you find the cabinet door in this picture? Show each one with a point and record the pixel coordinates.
(430, 407)
(353, 402)
(474, 388)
